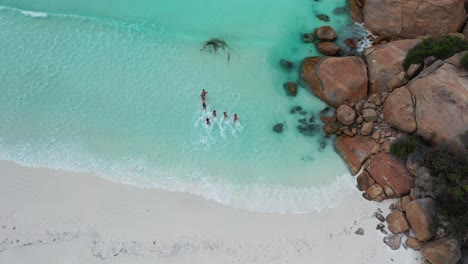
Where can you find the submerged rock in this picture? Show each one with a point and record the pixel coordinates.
(323, 145)
(278, 128)
(340, 11)
(290, 88)
(285, 64)
(323, 17)
(296, 109)
(308, 38)
(307, 129)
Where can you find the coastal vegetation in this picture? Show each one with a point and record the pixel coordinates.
(464, 61)
(448, 167)
(440, 48)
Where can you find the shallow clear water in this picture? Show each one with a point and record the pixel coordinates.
(113, 88)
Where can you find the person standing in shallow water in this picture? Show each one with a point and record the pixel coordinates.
(225, 115)
(203, 95)
(235, 118)
(207, 120)
(214, 113)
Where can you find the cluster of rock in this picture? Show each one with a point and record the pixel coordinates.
(377, 100)
(411, 221)
(410, 224)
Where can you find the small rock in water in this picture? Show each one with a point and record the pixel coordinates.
(302, 121)
(303, 113)
(323, 145)
(379, 210)
(340, 11)
(379, 216)
(360, 232)
(285, 64)
(278, 128)
(312, 119)
(290, 88)
(323, 17)
(295, 109)
(308, 37)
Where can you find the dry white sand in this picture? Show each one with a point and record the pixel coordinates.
(50, 216)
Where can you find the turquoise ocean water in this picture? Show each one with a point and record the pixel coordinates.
(113, 88)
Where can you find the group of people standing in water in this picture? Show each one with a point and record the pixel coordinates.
(207, 120)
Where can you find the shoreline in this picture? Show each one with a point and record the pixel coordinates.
(56, 216)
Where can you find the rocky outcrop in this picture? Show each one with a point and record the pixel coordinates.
(397, 222)
(385, 64)
(335, 80)
(420, 214)
(326, 33)
(441, 95)
(355, 150)
(442, 251)
(413, 18)
(345, 115)
(398, 110)
(389, 172)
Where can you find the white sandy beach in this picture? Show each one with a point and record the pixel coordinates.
(50, 216)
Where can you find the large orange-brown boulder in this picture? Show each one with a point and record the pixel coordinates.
(355, 150)
(433, 18)
(441, 93)
(420, 213)
(442, 251)
(364, 181)
(397, 222)
(388, 171)
(398, 110)
(326, 33)
(336, 80)
(385, 64)
(413, 18)
(355, 10)
(328, 48)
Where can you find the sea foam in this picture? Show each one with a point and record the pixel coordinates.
(34, 14)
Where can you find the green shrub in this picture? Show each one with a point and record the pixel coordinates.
(440, 48)
(464, 61)
(449, 169)
(403, 147)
